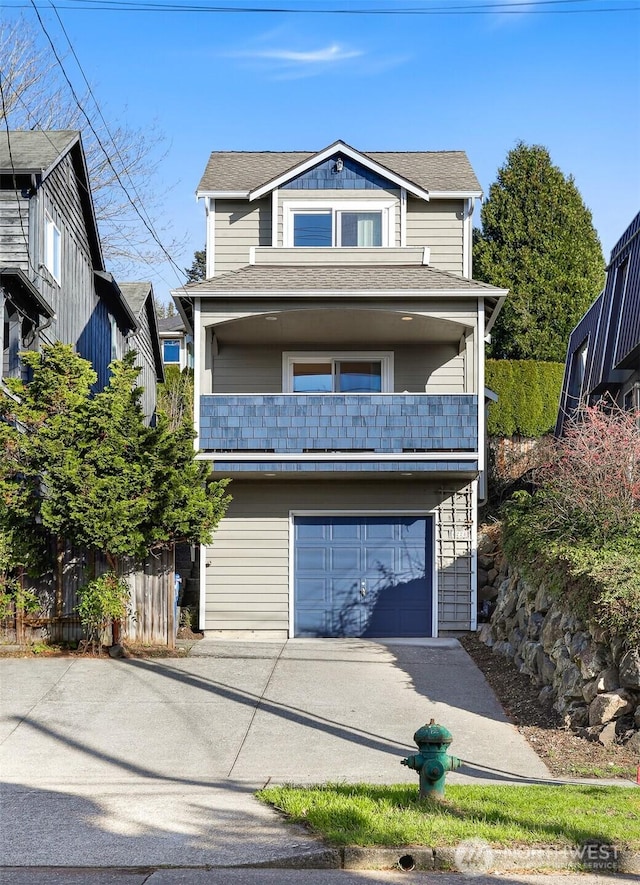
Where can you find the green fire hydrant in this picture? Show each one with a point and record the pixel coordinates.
(432, 762)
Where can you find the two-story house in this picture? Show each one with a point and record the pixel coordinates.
(53, 281)
(339, 380)
(603, 357)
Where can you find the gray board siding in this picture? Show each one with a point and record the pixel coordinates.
(247, 573)
(430, 170)
(419, 368)
(628, 324)
(437, 224)
(73, 299)
(141, 343)
(584, 332)
(239, 225)
(14, 230)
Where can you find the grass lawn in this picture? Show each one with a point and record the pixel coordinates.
(504, 816)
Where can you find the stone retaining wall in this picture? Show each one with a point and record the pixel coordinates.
(592, 678)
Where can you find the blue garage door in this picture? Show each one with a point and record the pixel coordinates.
(363, 576)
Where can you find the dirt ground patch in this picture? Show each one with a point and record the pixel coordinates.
(564, 752)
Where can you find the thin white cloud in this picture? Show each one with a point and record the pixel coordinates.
(328, 55)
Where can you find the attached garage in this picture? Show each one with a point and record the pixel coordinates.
(363, 575)
(289, 558)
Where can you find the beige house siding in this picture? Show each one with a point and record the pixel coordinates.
(428, 366)
(418, 368)
(239, 225)
(439, 225)
(247, 566)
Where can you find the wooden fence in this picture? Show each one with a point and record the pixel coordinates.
(153, 602)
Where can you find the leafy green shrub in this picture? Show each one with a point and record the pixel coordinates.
(102, 601)
(528, 395)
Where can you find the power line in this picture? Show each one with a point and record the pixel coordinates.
(84, 186)
(506, 8)
(107, 130)
(15, 181)
(147, 225)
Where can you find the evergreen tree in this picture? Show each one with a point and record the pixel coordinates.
(537, 240)
(90, 472)
(198, 269)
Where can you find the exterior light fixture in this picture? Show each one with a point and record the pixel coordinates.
(339, 165)
(271, 319)
(407, 319)
(268, 474)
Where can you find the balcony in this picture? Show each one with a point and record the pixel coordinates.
(367, 424)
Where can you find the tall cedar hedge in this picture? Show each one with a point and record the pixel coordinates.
(529, 393)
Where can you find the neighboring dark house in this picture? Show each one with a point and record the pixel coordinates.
(145, 341)
(53, 281)
(177, 345)
(603, 358)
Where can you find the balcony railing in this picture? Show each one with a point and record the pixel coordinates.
(305, 423)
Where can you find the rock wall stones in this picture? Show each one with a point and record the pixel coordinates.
(592, 678)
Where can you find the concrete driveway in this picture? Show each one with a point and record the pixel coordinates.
(151, 762)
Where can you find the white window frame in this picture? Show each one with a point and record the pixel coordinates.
(387, 208)
(177, 362)
(116, 349)
(53, 248)
(384, 357)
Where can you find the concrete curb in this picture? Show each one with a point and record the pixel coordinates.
(474, 857)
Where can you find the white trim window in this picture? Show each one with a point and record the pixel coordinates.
(348, 223)
(171, 352)
(116, 349)
(52, 249)
(346, 372)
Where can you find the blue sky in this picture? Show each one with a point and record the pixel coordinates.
(288, 81)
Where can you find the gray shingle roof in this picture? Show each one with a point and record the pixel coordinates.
(135, 294)
(337, 278)
(430, 170)
(33, 151)
(171, 324)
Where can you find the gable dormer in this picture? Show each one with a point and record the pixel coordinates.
(338, 198)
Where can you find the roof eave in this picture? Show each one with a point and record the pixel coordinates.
(222, 195)
(498, 294)
(455, 195)
(68, 148)
(118, 299)
(16, 273)
(343, 148)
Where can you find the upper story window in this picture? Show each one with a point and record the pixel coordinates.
(171, 350)
(116, 343)
(349, 224)
(52, 249)
(338, 373)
